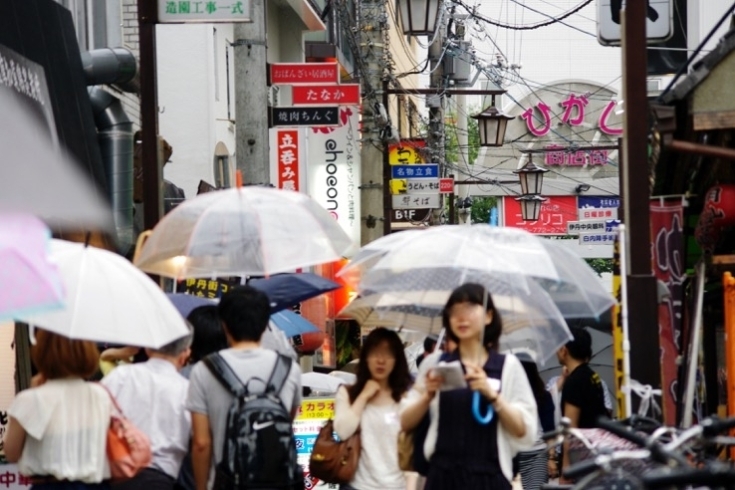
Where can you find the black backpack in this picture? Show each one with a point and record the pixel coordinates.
(259, 449)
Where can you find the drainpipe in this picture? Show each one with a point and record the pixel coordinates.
(115, 136)
(114, 131)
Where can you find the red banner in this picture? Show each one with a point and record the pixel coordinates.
(555, 213)
(348, 94)
(667, 237)
(287, 152)
(304, 73)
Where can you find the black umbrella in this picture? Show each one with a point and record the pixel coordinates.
(286, 290)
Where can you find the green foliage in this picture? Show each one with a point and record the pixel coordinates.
(451, 143)
(600, 265)
(347, 335)
(481, 207)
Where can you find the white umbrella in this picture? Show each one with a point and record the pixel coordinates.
(108, 300)
(321, 382)
(243, 231)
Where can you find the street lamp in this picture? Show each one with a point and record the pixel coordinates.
(531, 177)
(530, 206)
(532, 180)
(418, 17)
(492, 124)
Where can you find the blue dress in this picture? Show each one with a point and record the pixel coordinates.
(466, 455)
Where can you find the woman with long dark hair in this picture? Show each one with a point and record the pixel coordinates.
(371, 406)
(533, 465)
(475, 431)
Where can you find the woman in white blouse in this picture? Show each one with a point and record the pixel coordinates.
(371, 406)
(57, 431)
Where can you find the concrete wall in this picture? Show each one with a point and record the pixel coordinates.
(406, 56)
(192, 96)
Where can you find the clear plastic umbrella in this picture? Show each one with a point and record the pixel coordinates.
(499, 258)
(243, 231)
(530, 319)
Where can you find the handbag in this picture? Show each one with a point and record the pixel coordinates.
(334, 461)
(128, 448)
(405, 450)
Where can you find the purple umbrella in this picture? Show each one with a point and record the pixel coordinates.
(286, 290)
(185, 303)
(31, 282)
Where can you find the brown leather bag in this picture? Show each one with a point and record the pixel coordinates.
(332, 461)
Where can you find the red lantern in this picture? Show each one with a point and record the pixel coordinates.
(307, 343)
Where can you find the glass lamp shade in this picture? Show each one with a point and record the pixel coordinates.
(530, 207)
(531, 177)
(492, 125)
(418, 17)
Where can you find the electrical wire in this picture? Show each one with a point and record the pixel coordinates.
(472, 12)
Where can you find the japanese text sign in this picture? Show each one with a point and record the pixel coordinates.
(604, 238)
(304, 116)
(574, 228)
(592, 207)
(446, 186)
(204, 11)
(556, 212)
(422, 186)
(577, 158)
(206, 288)
(405, 152)
(312, 415)
(287, 151)
(416, 201)
(348, 94)
(539, 123)
(304, 73)
(426, 170)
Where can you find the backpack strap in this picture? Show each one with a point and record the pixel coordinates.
(225, 375)
(279, 375)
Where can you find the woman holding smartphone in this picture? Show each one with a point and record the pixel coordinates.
(475, 431)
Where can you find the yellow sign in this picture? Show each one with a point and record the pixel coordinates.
(406, 152)
(316, 408)
(398, 186)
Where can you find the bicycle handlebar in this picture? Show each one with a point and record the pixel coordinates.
(713, 426)
(658, 452)
(581, 469)
(713, 475)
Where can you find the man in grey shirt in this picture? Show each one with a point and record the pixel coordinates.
(244, 313)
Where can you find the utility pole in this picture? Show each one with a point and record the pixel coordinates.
(435, 140)
(373, 20)
(635, 192)
(251, 98)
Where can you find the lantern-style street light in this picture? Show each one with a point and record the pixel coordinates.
(531, 177)
(532, 180)
(530, 206)
(418, 17)
(492, 124)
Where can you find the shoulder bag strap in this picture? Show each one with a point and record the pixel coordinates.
(280, 374)
(225, 375)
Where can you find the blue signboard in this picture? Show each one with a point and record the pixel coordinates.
(598, 202)
(305, 443)
(424, 170)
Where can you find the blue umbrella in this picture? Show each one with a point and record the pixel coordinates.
(286, 290)
(185, 303)
(292, 324)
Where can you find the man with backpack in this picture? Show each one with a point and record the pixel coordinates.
(242, 402)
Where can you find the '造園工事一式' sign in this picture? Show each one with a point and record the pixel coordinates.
(204, 11)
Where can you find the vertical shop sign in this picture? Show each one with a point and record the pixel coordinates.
(667, 236)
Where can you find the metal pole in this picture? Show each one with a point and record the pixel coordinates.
(387, 200)
(691, 381)
(152, 168)
(641, 284)
(626, 330)
(251, 98)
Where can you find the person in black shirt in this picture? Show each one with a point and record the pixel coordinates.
(582, 396)
(429, 346)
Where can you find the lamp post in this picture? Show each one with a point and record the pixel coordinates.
(492, 124)
(418, 17)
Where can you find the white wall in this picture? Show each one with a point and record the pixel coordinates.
(191, 118)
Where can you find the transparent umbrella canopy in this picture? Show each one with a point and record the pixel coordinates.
(243, 231)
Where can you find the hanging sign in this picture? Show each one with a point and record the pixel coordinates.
(348, 94)
(304, 116)
(200, 11)
(303, 73)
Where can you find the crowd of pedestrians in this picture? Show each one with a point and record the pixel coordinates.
(217, 406)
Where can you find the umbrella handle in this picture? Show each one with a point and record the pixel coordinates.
(488, 417)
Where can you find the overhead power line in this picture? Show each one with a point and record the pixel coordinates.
(553, 20)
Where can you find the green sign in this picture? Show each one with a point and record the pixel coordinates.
(204, 11)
